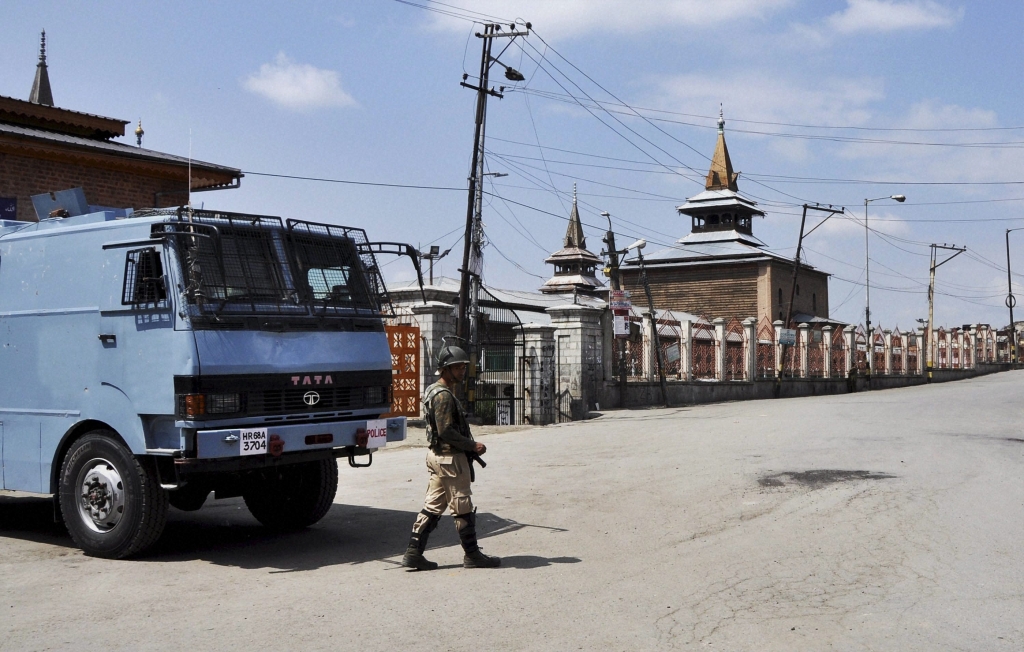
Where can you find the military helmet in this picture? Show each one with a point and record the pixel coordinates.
(450, 355)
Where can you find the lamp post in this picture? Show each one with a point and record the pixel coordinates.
(432, 255)
(1011, 300)
(867, 275)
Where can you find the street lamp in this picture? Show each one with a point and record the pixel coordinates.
(867, 274)
(1011, 300)
(638, 247)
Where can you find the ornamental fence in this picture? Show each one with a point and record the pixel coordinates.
(719, 350)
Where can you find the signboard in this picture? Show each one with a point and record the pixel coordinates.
(376, 433)
(621, 325)
(787, 337)
(672, 353)
(619, 300)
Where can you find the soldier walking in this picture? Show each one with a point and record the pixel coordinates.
(451, 447)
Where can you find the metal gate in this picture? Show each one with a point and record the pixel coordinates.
(499, 382)
(404, 340)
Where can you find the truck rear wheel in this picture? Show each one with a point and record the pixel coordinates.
(292, 496)
(112, 504)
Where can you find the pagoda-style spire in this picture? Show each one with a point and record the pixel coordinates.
(41, 93)
(574, 238)
(575, 267)
(721, 176)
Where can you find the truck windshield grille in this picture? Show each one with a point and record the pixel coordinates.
(247, 264)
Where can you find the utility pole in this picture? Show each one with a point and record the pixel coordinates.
(639, 245)
(1011, 300)
(472, 262)
(929, 362)
(613, 274)
(796, 262)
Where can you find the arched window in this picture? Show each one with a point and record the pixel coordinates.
(780, 298)
(814, 302)
(797, 289)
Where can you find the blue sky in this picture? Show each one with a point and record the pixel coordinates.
(916, 97)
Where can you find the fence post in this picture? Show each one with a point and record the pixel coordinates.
(750, 348)
(719, 323)
(778, 324)
(826, 347)
(686, 349)
(887, 350)
(803, 370)
(850, 333)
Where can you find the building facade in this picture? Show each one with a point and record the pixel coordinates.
(720, 269)
(44, 149)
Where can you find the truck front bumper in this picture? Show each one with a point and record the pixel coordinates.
(292, 438)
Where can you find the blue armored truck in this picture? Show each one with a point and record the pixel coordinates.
(154, 357)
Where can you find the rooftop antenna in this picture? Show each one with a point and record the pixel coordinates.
(190, 174)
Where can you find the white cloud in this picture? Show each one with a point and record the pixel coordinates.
(575, 17)
(298, 86)
(892, 15)
(771, 98)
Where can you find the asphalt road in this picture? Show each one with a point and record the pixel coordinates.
(877, 521)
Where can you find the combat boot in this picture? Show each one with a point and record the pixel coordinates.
(414, 559)
(474, 557)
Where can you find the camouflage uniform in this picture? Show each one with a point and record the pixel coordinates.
(449, 440)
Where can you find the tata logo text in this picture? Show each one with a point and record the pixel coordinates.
(312, 380)
(310, 398)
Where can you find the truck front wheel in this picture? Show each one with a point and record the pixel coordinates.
(292, 496)
(112, 504)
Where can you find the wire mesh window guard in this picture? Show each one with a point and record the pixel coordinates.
(235, 264)
(838, 353)
(765, 349)
(144, 284)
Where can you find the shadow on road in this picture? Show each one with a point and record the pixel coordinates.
(224, 533)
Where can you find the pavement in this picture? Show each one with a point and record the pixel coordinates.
(887, 520)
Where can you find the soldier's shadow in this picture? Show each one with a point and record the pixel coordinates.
(224, 533)
(524, 562)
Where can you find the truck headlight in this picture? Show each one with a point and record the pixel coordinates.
(223, 403)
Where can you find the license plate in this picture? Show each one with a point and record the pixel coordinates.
(252, 442)
(376, 433)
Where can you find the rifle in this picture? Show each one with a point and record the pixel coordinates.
(473, 457)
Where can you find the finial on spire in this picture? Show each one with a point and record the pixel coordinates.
(573, 193)
(139, 133)
(41, 93)
(721, 119)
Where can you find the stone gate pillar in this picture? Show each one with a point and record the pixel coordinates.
(535, 373)
(887, 351)
(578, 347)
